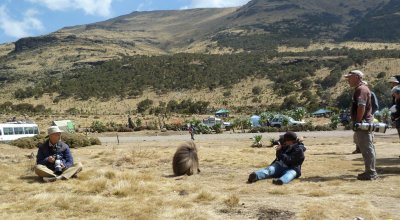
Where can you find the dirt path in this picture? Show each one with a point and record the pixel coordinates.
(184, 136)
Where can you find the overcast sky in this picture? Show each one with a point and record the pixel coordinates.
(25, 18)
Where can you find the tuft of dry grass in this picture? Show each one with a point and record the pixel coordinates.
(318, 193)
(204, 197)
(232, 201)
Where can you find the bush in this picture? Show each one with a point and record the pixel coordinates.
(98, 126)
(217, 128)
(124, 129)
(72, 139)
(174, 127)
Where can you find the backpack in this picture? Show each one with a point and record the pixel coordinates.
(374, 103)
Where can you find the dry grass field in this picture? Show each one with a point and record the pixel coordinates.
(134, 181)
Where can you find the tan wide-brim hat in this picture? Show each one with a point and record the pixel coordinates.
(53, 129)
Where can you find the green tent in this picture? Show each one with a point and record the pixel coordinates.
(65, 125)
(222, 113)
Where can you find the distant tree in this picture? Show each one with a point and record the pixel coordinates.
(256, 90)
(344, 100)
(290, 102)
(143, 105)
(306, 83)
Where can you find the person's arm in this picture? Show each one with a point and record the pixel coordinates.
(360, 113)
(42, 156)
(68, 160)
(295, 157)
(362, 99)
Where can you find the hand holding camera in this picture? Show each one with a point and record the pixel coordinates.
(51, 159)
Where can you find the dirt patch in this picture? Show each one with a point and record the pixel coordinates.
(274, 214)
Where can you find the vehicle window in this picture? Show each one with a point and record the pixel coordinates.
(35, 130)
(28, 130)
(18, 130)
(8, 131)
(0, 132)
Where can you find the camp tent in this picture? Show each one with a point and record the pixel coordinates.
(65, 125)
(321, 113)
(222, 113)
(255, 121)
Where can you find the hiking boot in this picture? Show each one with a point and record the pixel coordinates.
(361, 174)
(252, 178)
(49, 179)
(365, 176)
(277, 181)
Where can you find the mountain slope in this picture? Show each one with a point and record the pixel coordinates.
(260, 28)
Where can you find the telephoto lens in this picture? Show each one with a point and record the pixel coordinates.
(57, 165)
(376, 127)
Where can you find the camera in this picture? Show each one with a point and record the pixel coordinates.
(377, 127)
(275, 142)
(57, 164)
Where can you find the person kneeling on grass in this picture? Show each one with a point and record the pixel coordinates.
(287, 165)
(54, 160)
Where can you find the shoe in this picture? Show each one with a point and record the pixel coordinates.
(356, 152)
(49, 179)
(361, 174)
(277, 182)
(365, 176)
(252, 178)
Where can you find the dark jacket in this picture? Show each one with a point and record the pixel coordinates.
(292, 156)
(45, 151)
(396, 115)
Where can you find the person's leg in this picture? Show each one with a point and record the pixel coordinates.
(43, 171)
(68, 173)
(398, 131)
(357, 150)
(274, 170)
(364, 141)
(288, 176)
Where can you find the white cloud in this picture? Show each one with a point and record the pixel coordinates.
(216, 3)
(144, 5)
(19, 28)
(91, 7)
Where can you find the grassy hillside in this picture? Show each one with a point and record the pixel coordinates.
(264, 55)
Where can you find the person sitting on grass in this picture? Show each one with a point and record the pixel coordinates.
(54, 160)
(287, 165)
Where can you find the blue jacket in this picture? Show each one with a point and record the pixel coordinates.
(292, 156)
(45, 151)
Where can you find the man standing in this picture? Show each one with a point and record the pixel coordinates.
(361, 112)
(393, 81)
(54, 160)
(192, 131)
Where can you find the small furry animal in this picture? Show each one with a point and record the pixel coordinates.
(185, 160)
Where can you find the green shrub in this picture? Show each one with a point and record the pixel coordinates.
(217, 128)
(74, 140)
(174, 127)
(98, 126)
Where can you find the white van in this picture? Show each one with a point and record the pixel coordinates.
(14, 130)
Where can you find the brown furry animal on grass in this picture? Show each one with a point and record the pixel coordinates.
(185, 160)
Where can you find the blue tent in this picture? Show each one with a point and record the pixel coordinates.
(321, 113)
(255, 121)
